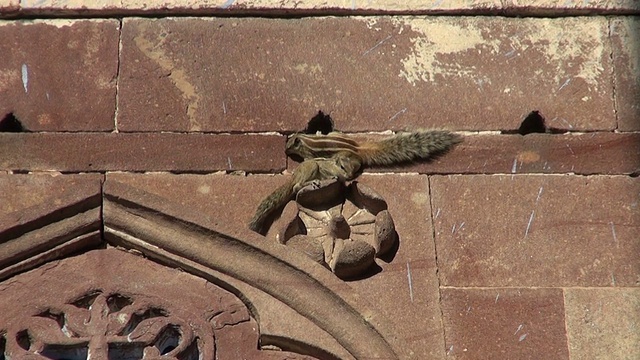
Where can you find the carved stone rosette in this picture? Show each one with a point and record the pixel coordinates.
(344, 227)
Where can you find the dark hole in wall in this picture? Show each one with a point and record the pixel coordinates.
(10, 123)
(23, 339)
(322, 123)
(65, 352)
(3, 345)
(534, 123)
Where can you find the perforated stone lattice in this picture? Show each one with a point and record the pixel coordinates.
(113, 326)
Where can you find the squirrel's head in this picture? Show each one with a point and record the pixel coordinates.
(296, 147)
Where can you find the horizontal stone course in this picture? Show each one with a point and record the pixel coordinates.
(285, 7)
(89, 152)
(591, 153)
(587, 153)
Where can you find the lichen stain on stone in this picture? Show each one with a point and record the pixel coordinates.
(154, 50)
(45, 119)
(204, 189)
(573, 41)
(313, 70)
(91, 58)
(59, 23)
(440, 37)
(573, 48)
(9, 78)
(420, 198)
(528, 157)
(628, 29)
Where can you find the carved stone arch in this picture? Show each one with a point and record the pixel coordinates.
(299, 306)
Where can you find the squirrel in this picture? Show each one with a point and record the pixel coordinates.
(308, 171)
(337, 156)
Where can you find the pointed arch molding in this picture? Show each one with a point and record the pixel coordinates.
(299, 305)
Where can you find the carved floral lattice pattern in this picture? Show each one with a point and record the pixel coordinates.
(108, 304)
(114, 326)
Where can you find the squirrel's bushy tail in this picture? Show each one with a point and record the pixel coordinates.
(407, 147)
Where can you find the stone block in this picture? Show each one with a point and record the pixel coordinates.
(59, 75)
(542, 231)
(504, 323)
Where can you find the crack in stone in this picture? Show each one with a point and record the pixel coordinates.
(435, 251)
(118, 66)
(613, 73)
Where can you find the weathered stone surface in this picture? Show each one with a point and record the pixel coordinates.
(323, 7)
(407, 283)
(222, 199)
(537, 230)
(257, 5)
(591, 153)
(9, 7)
(504, 323)
(46, 192)
(603, 323)
(273, 74)
(549, 7)
(380, 5)
(142, 152)
(626, 60)
(60, 75)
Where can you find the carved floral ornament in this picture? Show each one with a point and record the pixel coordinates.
(344, 227)
(113, 326)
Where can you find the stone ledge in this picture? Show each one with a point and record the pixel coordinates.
(14, 8)
(585, 154)
(99, 152)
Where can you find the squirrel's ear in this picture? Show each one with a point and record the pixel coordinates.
(321, 123)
